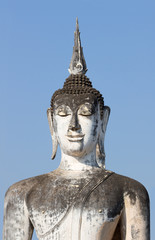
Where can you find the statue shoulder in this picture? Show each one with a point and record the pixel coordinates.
(15, 210)
(131, 187)
(136, 210)
(19, 189)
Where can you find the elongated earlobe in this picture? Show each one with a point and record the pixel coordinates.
(53, 135)
(100, 152)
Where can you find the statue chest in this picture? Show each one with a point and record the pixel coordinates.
(65, 208)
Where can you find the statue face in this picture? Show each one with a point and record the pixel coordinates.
(76, 123)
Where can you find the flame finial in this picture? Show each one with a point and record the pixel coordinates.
(78, 64)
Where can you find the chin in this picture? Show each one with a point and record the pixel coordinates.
(74, 149)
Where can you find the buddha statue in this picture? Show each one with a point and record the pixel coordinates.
(80, 200)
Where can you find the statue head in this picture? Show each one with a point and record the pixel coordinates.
(78, 117)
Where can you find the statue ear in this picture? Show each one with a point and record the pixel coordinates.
(100, 153)
(53, 134)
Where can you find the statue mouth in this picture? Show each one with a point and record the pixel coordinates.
(75, 138)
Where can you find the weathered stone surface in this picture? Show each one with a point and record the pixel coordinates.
(81, 205)
(80, 200)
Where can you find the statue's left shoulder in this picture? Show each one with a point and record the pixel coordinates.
(130, 186)
(136, 212)
(133, 187)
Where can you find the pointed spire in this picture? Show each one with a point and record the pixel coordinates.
(77, 25)
(78, 64)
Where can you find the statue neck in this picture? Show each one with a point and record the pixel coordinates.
(85, 163)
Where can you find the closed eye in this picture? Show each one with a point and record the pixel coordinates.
(63, 111)
(86, 110)
(85, 113)
(63, 114)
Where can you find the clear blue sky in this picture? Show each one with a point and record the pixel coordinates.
(36, 41)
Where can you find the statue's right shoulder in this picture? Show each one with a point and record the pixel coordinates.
(19, 189)
(15, 213)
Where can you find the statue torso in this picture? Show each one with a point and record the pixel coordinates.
(67, 207)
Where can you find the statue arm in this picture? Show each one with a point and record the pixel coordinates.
(135, 219)
(16, 220)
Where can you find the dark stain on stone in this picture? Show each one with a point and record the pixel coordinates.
(134, 232)
(132, 197)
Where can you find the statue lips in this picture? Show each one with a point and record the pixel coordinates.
(75, 138)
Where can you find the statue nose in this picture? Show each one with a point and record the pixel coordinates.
(74, 123)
